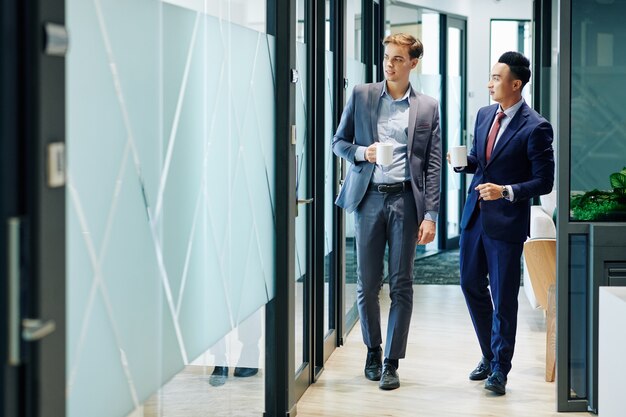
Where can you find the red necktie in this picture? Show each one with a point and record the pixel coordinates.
(493, 134)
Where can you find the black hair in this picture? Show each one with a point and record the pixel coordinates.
(518, 64)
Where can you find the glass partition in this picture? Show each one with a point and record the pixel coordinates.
(578, 313)
(454, 129)
(170, 228)
(598, 124)
(302, 190)
(355, 74)
(329, 189)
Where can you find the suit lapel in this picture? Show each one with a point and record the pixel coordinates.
(516, 124)
(413, 103)
(374, 99)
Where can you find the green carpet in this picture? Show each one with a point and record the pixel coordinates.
(439, 269)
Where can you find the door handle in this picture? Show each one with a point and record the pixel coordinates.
(36, 329)
(302, 201)
(13, 271)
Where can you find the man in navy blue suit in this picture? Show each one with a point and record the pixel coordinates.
(512, 161)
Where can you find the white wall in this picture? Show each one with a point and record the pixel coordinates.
(479, 14)
(478, 65)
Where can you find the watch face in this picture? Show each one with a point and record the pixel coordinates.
(505, 193)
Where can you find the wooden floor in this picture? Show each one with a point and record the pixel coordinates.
(442, 351)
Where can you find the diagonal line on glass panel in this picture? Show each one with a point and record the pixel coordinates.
(267, 176)
(167, 289)
(206, 174)
(179, 104)
(245, 278)
(221, 257)
(135, 155)
(238, 161)
(256, 235)
(181, 291)
(97, 283)
(267, 179)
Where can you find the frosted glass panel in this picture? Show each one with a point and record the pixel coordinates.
(170, 227)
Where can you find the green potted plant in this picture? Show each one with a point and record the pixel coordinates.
(599, 205)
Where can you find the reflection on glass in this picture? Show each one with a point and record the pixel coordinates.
(512, 35)
(578, 316)
(426, 77)
(598, 124)
(454, 129)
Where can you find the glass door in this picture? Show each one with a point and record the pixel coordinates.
(329, 291)
(453, 130)
(315, 261)
(355, 71)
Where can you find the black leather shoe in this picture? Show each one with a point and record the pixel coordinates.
(243, 372)
(496, 383)
(374, 365)
(219, 376)
(481, 372)
(389, 379)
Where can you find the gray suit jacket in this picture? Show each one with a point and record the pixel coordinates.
(358, 127)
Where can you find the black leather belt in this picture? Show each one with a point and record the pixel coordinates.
(397, 187)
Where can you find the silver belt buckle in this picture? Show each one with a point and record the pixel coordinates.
(380, 188)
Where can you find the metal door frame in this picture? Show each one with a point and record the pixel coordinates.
(33, 205)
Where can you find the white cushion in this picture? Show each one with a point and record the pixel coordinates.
(548, 203)
(541, 224)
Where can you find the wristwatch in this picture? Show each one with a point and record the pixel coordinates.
(505, 192)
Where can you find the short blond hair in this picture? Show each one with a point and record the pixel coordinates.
(416, 49)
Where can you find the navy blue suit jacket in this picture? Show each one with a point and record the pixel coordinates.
(523, 158)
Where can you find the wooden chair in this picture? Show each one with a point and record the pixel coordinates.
(540, 255)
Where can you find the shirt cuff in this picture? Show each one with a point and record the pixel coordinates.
(431, 215)
(359, 155)
(511, 197)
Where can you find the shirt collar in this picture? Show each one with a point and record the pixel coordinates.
(510, 112)
(404, 97)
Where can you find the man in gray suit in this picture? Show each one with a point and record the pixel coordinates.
(395, 204)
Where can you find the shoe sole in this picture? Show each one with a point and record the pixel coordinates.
(373, 379)
(389, 387)
(495, 389)
(478, 378)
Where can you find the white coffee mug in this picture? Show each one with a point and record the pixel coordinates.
(384, 153)
(458, 156)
